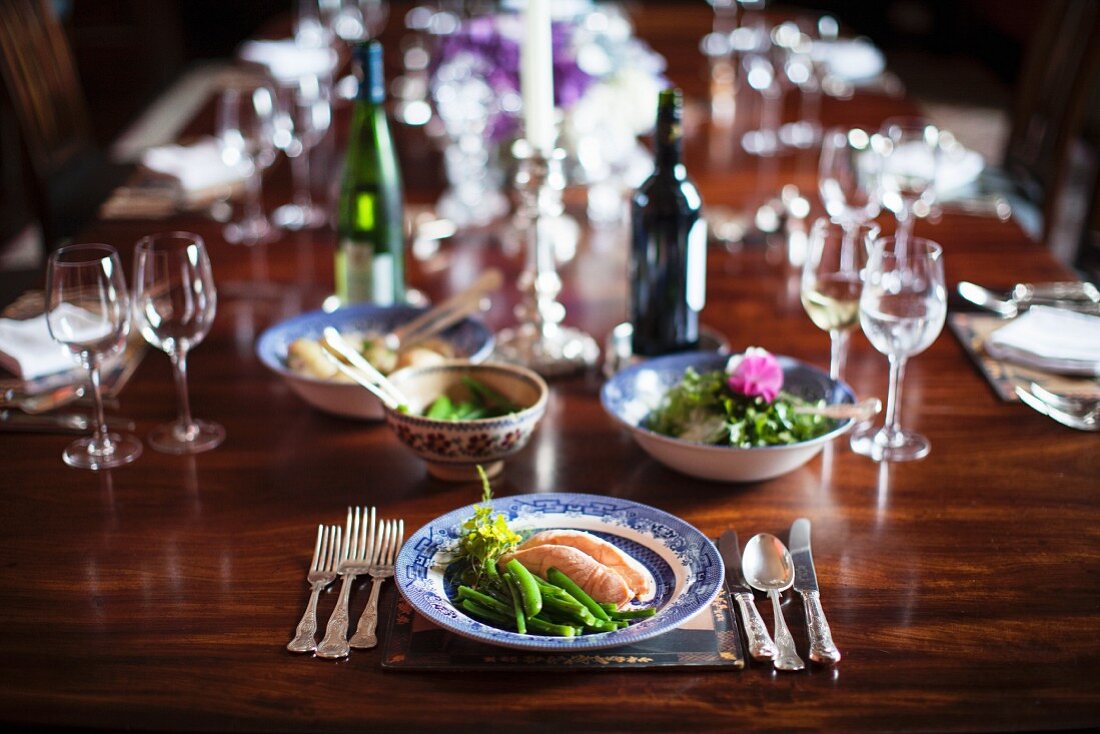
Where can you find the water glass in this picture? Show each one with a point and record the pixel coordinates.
(174, 305)
(246, 132)
(902, 307)
(910, 151)
(88, 311)
(831, 282)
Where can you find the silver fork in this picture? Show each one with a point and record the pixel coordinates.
(381, 569)
(359, 535)
(322, 572)
(1082, 406)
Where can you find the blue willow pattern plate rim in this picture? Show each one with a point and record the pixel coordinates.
(418, 571)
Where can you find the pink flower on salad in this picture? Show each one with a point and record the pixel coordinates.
(756, 373)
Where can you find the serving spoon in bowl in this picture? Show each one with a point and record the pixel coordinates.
(342, 354)
(768, 567)
(864, 410)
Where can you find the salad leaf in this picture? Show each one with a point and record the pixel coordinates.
(485, 536)
(703, 408)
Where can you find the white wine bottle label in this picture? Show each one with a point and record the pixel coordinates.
(697, 265)
(363, 276)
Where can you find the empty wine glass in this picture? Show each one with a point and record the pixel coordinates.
(174, 304)
(760, 74)
(848, 172)
(910, 151)
(88, 311)
(831, 282)
(246, 134)
(902, 307)
(304, 116)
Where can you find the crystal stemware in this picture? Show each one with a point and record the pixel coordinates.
(831, 282)
(902, 308)
(304, 117)
(910, 150)
(88, 311)
(174, 305)
(848, 172)
(246, 134)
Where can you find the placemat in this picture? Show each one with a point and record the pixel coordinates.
(710, 640)
(972, 329)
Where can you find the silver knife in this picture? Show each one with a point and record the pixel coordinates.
(760, 642)
(822, 649)
(1056, 295)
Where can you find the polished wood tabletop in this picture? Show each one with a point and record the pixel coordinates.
(963, 590)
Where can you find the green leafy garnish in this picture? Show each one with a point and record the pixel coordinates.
(703, 408)
(485, 536)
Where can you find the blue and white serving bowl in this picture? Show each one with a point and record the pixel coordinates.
(470, 339)
(684, 563)
(631, 395)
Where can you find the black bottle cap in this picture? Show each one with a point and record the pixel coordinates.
(372, 84)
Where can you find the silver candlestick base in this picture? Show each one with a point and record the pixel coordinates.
(540, 341)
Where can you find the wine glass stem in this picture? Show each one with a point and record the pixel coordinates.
(253, 210)
(102, 440)
(179, 368)
(839, 343)
(299, 171)
(893, 399)
(905, 226)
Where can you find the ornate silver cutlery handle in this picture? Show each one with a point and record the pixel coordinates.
(761, 646)
(305, 636)
(365, 636)
(787, 657)
(822, 649)
(335, 644)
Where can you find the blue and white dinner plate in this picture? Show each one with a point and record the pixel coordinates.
(684, 563)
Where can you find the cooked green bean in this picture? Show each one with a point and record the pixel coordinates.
(558, 578)
(633, 614)
(486, 614)
(465, 592)
(549, 628)
(517, 602)
(572, 612)
(532, 597)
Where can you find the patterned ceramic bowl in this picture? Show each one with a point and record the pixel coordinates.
(469, 338)
(453, 449)
(630, 395)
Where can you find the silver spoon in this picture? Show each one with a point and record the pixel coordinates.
(864, 410)
(767, 566)
(332, 342)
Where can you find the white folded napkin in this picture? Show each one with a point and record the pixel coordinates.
(853, 60)
(28, 350)
(1053, 334)
(288, 61)
(197, 167)
(957, 167)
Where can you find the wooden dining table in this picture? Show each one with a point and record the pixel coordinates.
(963, 589)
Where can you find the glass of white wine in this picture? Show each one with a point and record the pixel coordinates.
(831, 281)
(902, 308)
(174, 305)
(88, 311)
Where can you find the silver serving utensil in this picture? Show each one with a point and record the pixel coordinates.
(822, 648)
(864, 410)
(760, 642)
(768, 567)
(1089, 422)
(1082, 405)
(334, 343)
(443, 315)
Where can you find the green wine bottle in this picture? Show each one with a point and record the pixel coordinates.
(370, 254)
(668, 264)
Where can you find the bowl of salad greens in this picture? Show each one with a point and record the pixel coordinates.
(728, 419)
(460, 415)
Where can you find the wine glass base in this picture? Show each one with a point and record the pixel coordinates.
(175, 438)
(297, 217)
(256, 231)
(86, 453)
(554, 352)
(881, 446)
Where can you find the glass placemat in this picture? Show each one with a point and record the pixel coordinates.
(972, 329)
(710, 640)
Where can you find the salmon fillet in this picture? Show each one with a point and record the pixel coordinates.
(636, 576)
(596, 579)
